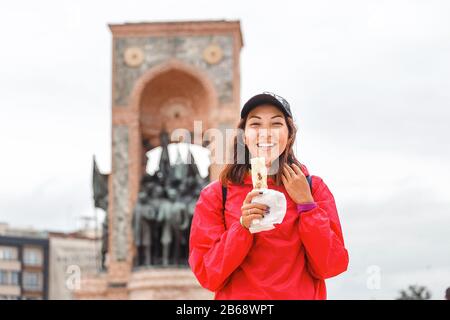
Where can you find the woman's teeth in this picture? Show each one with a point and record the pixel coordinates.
(265, 145)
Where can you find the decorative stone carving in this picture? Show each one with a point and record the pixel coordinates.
(133, 56)
(213, 54)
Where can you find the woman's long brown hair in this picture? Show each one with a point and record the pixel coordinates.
(235, 172)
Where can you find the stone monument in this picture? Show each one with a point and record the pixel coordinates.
(165, 76)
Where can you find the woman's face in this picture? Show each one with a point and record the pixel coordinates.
(266, 132)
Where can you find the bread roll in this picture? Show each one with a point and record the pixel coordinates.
(259, 173)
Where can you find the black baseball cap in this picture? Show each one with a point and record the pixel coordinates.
(266, 98)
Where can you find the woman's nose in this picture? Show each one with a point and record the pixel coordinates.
(264, 133)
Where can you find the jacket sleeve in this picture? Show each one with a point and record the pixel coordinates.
(321, 234)
(214, 253)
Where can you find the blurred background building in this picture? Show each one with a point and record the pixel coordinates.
(24, 264)
(36, 265)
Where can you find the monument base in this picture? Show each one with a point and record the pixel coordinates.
(146, 284)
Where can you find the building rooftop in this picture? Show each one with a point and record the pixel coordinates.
(155, 28)
(7, 231)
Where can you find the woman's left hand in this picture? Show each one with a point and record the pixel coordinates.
(296, 184)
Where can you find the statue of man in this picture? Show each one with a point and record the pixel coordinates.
(144, 213)
(156, 199)
(172, 216)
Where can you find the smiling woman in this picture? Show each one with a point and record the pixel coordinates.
(290, 261)
(266, 129)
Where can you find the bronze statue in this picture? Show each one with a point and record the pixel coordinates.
(163, 211)
(100, 193)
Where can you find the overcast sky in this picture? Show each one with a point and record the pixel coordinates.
(368, 82)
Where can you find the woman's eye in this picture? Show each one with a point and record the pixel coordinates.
(277, 124)
(254, 124)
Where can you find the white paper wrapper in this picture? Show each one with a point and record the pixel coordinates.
(276, 201)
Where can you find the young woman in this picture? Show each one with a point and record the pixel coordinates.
(288, 262)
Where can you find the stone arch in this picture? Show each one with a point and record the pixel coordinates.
(157, 96)
(160, 95)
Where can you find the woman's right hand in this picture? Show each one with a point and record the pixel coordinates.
(251, 211)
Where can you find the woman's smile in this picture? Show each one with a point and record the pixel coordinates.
(265, 146)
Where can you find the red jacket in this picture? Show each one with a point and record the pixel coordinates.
(289, 262)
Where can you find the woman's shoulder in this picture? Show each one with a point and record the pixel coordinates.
(316, 181)
(214, 188)
(319, 187)
(210, 199)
